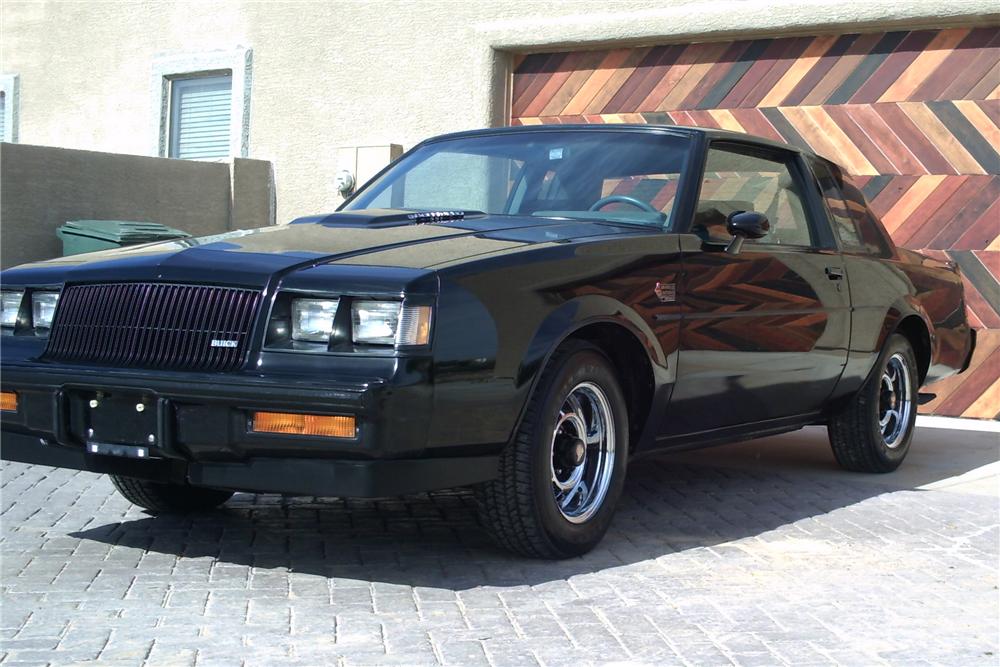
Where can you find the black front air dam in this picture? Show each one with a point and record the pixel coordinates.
(291, 476)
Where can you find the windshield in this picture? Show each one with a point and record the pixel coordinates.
(612, 176)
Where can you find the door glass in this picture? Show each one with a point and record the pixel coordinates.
(738, 181)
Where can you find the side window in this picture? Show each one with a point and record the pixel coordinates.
(853, 221)
(844, 225)
(740, 179)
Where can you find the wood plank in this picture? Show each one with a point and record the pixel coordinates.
(981, 62)
(527, 84)
(718, 72)
(897, 188)
(987, 406)
(905, 234)
(914, 198)
(944, 213)
(847, 153)
(670, 78)
(978, 223)
(989, 82)
(913, 137)
(925, 63)
(962, 57)
(755, 123)
(975, 143)
(842, 69)
(795, 73)
(614, 82)
(656, 74)
(841, 114)
(978, 379)
(578, 77)
(780, 66)
(553, 84)
(596, 81)
(941, 137)
(725, 119)
(706, 57)
(893, 67)
(819, 70)
(634, 80)
(867, 66)
(978, 118)
(883, 136)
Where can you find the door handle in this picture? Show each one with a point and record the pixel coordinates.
(834, 272)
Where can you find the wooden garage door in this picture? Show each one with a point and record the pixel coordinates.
(913, 115)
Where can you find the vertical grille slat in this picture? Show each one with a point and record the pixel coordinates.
(153, 325)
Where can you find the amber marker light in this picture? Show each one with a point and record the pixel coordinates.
(8, 401)
(326, 426)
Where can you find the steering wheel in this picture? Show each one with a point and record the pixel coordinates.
(621, 199)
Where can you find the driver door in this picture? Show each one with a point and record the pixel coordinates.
(764, 332)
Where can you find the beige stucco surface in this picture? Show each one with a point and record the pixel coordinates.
(333, 74)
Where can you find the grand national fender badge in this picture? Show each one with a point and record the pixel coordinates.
(665, 292)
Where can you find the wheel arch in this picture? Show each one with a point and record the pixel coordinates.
(908, 318)
(915, 330)
(621, 334)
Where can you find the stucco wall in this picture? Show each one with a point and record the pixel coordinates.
(332, 74)
(44, 187)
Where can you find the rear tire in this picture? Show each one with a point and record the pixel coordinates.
(561, 476)
(161, 497)
(872, 433)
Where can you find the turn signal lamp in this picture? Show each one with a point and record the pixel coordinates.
(8, 401)
(326, 426)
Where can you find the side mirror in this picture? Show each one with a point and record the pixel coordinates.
(745, 225)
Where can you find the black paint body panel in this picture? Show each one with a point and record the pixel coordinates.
(741, 346)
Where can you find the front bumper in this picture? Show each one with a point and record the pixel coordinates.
(196, 429)
(292, 476)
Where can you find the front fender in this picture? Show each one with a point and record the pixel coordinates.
(573, 316)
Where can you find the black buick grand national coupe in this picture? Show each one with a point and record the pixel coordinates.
(519, 310)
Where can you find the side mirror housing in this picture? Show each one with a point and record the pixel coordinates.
(745, 225)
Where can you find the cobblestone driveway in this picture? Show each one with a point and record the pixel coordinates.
(753, 554)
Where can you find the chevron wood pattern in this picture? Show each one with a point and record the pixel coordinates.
(913, 115)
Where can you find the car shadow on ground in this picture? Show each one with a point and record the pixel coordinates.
(671, 503)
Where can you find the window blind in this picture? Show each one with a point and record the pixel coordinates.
(200, 113)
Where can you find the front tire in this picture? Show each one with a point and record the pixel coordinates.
(561, 476)
(162, 497)
(872, 433)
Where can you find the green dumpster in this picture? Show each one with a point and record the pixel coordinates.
(89, 235)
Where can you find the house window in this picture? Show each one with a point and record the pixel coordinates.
(8, 107)
(201, 105)
(201, 117)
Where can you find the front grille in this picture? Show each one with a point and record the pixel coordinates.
(153, 325)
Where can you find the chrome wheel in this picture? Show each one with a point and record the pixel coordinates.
(582, 452)
(895, 401)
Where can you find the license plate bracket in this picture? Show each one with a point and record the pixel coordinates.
(115, 417)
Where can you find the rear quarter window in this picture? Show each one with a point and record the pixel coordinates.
(853, 222)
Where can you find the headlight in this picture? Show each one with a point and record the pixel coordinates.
(390, 323)
(312, 319)
(43, 309)
(11, 308)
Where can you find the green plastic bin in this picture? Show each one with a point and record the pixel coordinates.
(89, 235)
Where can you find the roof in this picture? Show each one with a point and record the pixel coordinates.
(707, 132)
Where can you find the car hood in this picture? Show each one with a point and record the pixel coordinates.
(372, 237)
